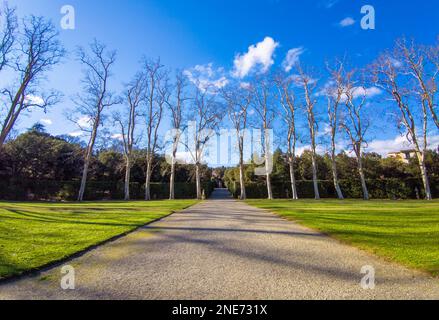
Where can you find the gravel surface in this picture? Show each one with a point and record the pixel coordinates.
(225, 249)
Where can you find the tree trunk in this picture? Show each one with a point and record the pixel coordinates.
(172, 182)
(84, 179)
(293, 180)
(2, 141)
(268, 168)
(268, 176)
(198, 181)
(242, 181)
(7, 127)
(335, 177)
(424, 174)
(87, 161)
(314, 176)
(269, 190)
(148, 179)
(363, 179)
(127, 179)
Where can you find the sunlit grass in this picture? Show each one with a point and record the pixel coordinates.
(35, 234)
(403, 231)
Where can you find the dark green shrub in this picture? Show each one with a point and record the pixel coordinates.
(22, 190)
(378, 189)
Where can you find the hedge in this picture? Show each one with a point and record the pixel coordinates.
(39, 190)
(378, 189)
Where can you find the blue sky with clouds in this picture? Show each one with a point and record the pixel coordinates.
(227, 38)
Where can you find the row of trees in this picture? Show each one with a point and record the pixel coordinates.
(406, 77)
(35, 155)
(31, 48)
(401, 178)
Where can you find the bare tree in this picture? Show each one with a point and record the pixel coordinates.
(432, 85)
(309, 85)
(176, 107)
(262, 91)
(156, 96)
(390, 74)
(355, 123)
(335, 92)
(96, 98)
(134, 98)
(38, 51)
(239, 99)
(206, 115)
(288, 102)
(422, 65)
(8, 33)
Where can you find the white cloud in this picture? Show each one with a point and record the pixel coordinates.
(245, 85)
(325, 131)
(117, 136)
(184, 158)
(384, 147)
(205, 77)
(84, 122)
(298, 80)
(292, 58)
(319, 149)
(35, 100)
(357, 92)
(47, 122)
(330, 3)
(396, 63)
(260, 54)
(76, 134)
(346, 22)
(368, 92)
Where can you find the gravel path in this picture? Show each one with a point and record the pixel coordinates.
(224, 249)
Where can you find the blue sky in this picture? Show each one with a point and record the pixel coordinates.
(195, 32)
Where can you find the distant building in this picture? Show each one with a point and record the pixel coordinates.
(403, 155)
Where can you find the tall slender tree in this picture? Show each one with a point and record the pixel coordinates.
(309, 85)
(176, 106)
(95, 99)
(134, 98)
(38, 50)
(205, 116)
(334, 93)
(156, 96)
(239, 99)
(390, 74)
(288, 114)
(263, 96)
(355, 123)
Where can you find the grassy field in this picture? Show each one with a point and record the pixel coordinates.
(403, 231)
(35, 234)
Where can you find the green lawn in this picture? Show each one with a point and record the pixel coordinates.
(403, 231)
(35, 234)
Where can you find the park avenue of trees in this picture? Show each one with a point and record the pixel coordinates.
(337, 100)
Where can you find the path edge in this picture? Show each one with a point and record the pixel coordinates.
(34, 272)
(350, 244)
